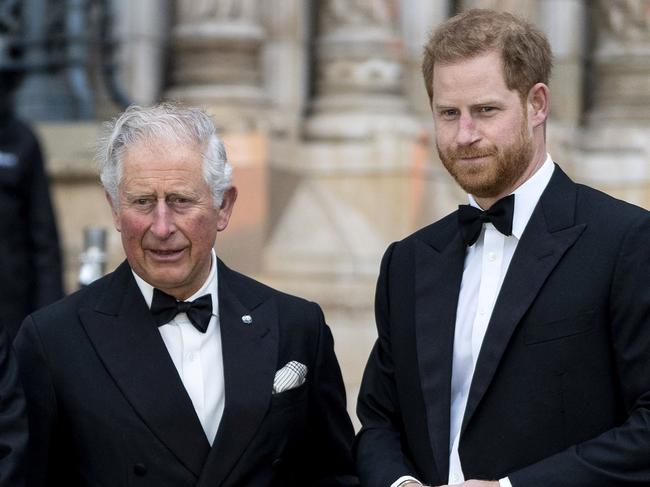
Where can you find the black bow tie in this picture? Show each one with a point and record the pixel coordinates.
(471, 219)
(165, 307)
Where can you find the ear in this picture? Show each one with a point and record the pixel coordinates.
(114, 211)
(538, 104)
(225, 210)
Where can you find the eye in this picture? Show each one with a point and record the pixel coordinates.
(179, 201)
(141, 202)
(448, 113)
(487, 110)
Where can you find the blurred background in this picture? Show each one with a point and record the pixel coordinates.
(325, 118)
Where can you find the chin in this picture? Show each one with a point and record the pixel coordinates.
(166, 280)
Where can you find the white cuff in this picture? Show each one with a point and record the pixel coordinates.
(505, 482)
(405, 478)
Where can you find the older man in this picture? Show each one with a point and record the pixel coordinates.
(175, 370)
(514, 334)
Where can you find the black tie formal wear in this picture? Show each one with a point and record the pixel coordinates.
(471, 219)
(165, 307)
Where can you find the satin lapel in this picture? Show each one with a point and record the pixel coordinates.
(250, 354)
(128, 343)
(550, 232)
(438, 275)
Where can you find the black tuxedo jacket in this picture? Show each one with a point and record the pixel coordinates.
(107, 407)
(13, 418)
(561, 391)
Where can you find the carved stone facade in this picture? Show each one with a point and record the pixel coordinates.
(327, 123)
(216, 60)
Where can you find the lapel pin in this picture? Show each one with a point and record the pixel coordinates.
(247, 319)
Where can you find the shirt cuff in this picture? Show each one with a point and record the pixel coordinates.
(403, 479)
(505, 482)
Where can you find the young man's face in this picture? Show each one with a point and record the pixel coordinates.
(166, 216)
(483, 135)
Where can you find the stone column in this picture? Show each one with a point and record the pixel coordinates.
(358, 69)
(216, 60)
(417, 19)
(622, 63)
(614, 150)
(348, 189)
(565, 24)
(285, 65)
(143, 29)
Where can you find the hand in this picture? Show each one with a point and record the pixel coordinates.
(476, 483)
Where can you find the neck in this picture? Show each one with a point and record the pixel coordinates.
(539, 157)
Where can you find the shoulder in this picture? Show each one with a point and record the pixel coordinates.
(436, 233)
(252, 291)
(300, 323)
(436, 236)
(607, 208)
(65, 311)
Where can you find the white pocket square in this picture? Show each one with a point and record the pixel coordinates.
(289, 377)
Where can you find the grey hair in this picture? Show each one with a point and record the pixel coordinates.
(166, 121)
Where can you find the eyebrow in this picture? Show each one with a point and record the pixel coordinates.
(145, 193)
(481, 103)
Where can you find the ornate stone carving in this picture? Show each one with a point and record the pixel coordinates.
(216, 58)
(627, 20)
(622, 62)
(222, 10)
(336, 14)
(358, 70)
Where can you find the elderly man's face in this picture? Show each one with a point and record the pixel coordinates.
(166, 216)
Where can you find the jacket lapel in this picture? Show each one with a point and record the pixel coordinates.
(128, 343)
(250, 354)
(438, 274)
(550, 232)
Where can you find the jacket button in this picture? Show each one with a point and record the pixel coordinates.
(139, 469)
(277, 464)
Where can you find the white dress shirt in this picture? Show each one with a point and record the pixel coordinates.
(197, 356)
(486, 264)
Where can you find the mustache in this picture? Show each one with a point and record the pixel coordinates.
(471, 152)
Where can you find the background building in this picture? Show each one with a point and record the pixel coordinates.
(325, 118)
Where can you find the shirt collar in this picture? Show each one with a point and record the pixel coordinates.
(526, 196)
(210, 286)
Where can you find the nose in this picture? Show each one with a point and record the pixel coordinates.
(163, 225)
(467, 131)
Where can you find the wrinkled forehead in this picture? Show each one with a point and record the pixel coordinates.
(160, 157)
(157, 148)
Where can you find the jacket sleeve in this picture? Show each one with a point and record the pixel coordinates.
(329, 422)
(41, 404)
(620, 456)
(13, 419)
(378, 446)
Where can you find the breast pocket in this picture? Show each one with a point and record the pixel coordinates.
(291, 398)
(287, 421)
(560, 328)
